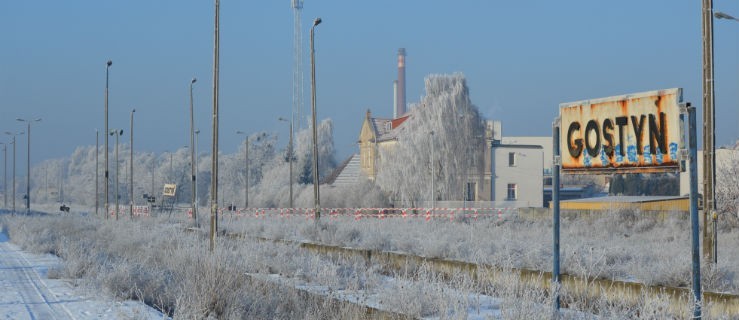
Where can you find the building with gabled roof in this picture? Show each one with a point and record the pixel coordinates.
(377, 133)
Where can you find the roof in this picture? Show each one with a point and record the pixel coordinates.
(387, 129)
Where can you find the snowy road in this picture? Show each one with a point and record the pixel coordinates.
(27, 293)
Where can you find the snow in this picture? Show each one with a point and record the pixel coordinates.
(26, 292)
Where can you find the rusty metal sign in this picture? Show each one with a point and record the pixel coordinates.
(169, 190)
(633, 133)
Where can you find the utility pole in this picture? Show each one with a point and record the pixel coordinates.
(97, 172)
(107, 175)
(130, 174)
(214, 157)
(709, 144)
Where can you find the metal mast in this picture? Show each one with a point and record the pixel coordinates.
(709, 145)
(297, 6)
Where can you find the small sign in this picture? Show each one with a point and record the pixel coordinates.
(169, 190)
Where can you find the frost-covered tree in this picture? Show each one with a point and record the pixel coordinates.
(727, 185)
(405, 171)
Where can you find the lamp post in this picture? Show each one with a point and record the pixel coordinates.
(193, 207)
(433, 172)
(117, 133)
(290, 159)
(28, 162)
(5, 175)
(246, 163)
(107, 179)
(97, 171)
(195, 163)
(316, 195)
(130, 174)
(13, 143)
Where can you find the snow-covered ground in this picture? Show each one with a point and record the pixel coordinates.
(26, 292)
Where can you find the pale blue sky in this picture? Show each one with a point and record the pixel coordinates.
(521, 59)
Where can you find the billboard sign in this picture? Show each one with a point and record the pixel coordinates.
(169, 190)
(633, 133)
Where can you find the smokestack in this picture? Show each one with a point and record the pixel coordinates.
(401, 83)
(395, 99)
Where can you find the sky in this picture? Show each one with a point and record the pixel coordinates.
(521, 59)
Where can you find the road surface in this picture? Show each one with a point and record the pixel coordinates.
(27, 293)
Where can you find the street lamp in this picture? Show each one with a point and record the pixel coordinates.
(97, 171)
(117, 133)
(5, 175)
(13, 143)
(290, 159)
(28, 162)
(316, 195)
(214, 154)
(107, 179)
(195, 164)
(193, 207)
(246, 162)
(433, 172)
(130, 175)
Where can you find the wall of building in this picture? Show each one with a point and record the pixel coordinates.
(526, 173)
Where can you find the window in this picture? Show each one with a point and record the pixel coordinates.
(512, 191)
(511, 159)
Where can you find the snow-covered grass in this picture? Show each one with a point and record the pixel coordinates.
(155, 261)
(622, 244)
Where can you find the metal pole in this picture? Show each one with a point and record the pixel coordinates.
(709, 144)
(197, 137)
(433, 172)
(290, 159)
(13, 174)
(316, 195)
(214, 157)
(5, 176)
(107, 175)
(193, 207)
(246, 183)
(97, 173)
(28, 169)
(117, 169)
(692, 159)
(555, 216)
(130, 170)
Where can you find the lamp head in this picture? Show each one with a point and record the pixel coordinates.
(134, 110)
(316, 22)
(109, 63)
(194, 80)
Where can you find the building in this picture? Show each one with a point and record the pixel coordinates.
(518, 165)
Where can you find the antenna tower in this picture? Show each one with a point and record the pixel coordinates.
(297, 6)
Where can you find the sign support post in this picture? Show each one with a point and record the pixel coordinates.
(692, 159)
(555, 216)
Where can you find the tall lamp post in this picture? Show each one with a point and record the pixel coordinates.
(433, 172)
(107, 175)
(117, 133)
(290, 159)
(193, 207)
(97, 171)
(5, 175)
(246, 163)
(28, 161)
(130, 175)
(195, 163)
(316, 195)
(13, 143)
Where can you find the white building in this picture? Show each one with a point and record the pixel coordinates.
(518, 171)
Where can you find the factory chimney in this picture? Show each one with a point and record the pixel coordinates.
(400, 96)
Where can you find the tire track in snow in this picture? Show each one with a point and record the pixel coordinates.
(23, 286)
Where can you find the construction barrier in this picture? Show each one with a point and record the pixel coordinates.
(357, 214)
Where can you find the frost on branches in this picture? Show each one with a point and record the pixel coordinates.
(405, 171)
